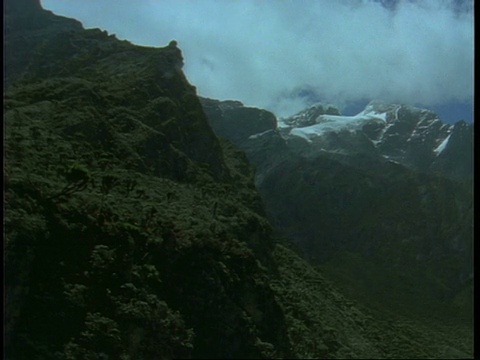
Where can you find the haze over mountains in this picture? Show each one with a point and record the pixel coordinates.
(287, 56)
(145, 222)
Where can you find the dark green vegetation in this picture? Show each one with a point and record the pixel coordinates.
(133, 232)
(130, 231)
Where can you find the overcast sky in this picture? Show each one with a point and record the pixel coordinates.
(284, 55)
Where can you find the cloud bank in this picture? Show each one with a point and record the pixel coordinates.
(284, 55)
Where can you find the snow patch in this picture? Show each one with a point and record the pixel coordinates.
(374, 115)
(336, 123)
(438, 150)
(281, 124)
(254, 136)
(300, 132)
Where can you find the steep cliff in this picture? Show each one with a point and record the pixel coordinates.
(130, 231)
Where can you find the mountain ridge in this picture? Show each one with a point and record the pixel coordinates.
(414, 137)
(142, 232)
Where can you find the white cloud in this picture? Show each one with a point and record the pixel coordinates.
(272, 54)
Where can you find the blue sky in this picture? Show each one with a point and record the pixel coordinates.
(284, 55)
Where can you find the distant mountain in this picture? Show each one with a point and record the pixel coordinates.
(378, 200)
(413, 137)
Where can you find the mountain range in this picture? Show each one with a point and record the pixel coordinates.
(413, 137)
(145, 222)
(390, 187)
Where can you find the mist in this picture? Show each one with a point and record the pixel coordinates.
(286, 55)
